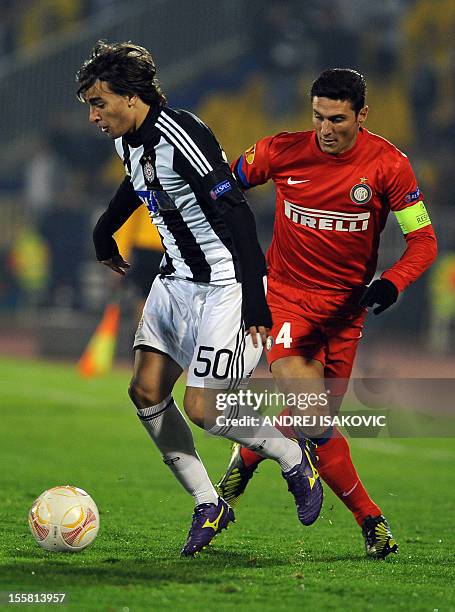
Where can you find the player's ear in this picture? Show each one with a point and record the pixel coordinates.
(362, 116)
(132, 100)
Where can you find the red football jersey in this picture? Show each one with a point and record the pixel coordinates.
(331, 210)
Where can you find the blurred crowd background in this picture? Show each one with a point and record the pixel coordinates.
(245, 67)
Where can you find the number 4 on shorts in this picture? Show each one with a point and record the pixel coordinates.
(284, 335)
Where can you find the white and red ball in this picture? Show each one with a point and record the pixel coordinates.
(64, 519)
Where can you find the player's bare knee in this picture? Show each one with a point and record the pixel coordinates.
(195, 412)
(135, 395)
(195, 404)
(142, 395)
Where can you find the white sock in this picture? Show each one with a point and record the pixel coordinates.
(168, 428)
(262, 439)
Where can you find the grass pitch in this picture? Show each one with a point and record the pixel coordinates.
(60, 429)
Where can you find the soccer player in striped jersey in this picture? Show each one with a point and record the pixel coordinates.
(206, 311)
(335, 186)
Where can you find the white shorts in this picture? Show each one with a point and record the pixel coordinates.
(200, 326)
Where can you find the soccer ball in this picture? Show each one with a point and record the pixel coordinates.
(64, 519)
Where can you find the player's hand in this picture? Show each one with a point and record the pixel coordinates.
(260, 330)
(117, 263)
(382, 292)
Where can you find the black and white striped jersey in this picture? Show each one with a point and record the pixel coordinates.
(177, 169)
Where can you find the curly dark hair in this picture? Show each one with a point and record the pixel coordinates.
(128, 69)
(341, 84)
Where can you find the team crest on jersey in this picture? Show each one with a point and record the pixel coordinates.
(269, 343)
(249, 154)
(148, 170)
(361, 193)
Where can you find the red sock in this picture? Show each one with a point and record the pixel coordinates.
(337, 470)
(251, 458)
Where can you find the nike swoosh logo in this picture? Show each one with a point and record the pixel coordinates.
(346, 493)
(291, 182)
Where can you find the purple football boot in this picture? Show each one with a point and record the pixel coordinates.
(305, 485)
(208, 521)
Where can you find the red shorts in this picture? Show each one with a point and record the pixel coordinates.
(321, 325)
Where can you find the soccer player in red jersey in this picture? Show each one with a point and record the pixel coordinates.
(335, 186)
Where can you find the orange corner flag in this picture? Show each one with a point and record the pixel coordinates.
(99, 354)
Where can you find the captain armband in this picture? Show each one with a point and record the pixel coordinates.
(413, 217)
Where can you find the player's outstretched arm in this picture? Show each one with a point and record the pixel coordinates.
(421, 251)
(240, 221)
(256, 313)
(120, 208)
(407, 203)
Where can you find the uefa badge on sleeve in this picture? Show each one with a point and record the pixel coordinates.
(361, 193)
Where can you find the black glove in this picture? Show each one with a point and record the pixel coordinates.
(382, 292)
